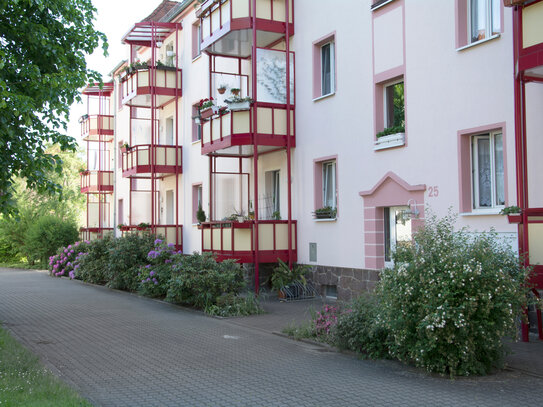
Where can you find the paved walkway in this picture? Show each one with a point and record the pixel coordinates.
(119, 349)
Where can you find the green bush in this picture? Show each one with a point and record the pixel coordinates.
(232, 305)
(357, 328)
(155, 276)
(66, 261)
(46, 236)
(94, 262)
(126, 255)
(451, 298)
(199, 280)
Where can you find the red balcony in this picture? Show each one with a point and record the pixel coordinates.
(171, 234)
(137, 86)
(96, 181)
(235, 240)
(226, 25)
(97, 127)
(144, 159)
(233, 133)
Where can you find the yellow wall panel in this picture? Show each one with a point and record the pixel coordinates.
(532, 25)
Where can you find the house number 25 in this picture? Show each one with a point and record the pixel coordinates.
(433, 192)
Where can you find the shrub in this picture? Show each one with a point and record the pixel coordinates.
(66, 261)
(94, 261)
(46, 236)
(325, 322)
(231, 305)
(199, 280)
(126, 255)
(449, 306)
(357, 328)
(155, 277)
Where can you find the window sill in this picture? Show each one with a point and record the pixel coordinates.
(483, 212)
(196, 142)
(390, 141)
(326, 220)
(197, 57)
(377, 7)
(324, 96)
(473, 44)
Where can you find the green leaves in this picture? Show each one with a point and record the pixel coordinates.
(42, 68)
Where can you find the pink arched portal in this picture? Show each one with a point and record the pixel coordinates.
(389, 191)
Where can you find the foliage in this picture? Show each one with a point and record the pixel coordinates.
(155, 277)
(325, 212)
(46, 236)
(42, 68)
(305, 330)
(283, 275)
(508, 210)
(126, 255)
(326, 320)
(25, 382)
(357, 328)
(66, 261)
(200, 214)
(451, 298)
(93, 264)
(199, 280)
(391, 130)
(206, 103)
(231, 305)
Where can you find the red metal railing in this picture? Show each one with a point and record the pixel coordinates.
(96, 124)
(170, 233)
(226, 246)
(96, 181)
(138, 159)
(139, 82)
(94, 233)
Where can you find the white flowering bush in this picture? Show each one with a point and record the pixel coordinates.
(451, 298)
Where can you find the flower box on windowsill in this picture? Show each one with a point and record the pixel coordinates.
(207, 113)
(245, 105)
(514, 218)
(392, 140)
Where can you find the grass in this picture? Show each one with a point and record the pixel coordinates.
(305, 330)
(25, 382)
(22, 264)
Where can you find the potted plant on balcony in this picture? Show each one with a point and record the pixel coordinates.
(122, 227)
(143, 226)
(222, 89)
(236, 103)
(286, 281)
(83, 118)
(326, 212)
(84, 171)
(125, 148)
(207, 108)
(200, 214)
(235, 91)
(513, 213)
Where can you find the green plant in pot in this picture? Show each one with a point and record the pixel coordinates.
(283, 275)
(200, 214)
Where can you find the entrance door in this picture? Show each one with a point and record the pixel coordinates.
(397, 230)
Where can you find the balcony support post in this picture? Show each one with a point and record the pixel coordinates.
(255, 144)
(289, 166)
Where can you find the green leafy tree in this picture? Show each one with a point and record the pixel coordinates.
(43, 45)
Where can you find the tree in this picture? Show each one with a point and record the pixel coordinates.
(43, 44)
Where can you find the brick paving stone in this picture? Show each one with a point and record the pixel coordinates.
(119, 349)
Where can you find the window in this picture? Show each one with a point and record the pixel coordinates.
(196, 201)
(397, 229)
(484, 19)
(324, 66)
(196, 126)
(170, 55)
(327, 69)
(394, 110)
(326, 187)
(196, 40)
(488, 171)
(276, 194)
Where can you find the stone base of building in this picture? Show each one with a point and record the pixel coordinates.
(342, 282)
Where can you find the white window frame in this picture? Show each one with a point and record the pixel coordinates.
(276, 191)
(332, 68)
(385, 100)
(326, 166)
(475, 166)
(489, 14)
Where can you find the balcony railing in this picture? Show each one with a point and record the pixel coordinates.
(139, 160)
(96, 181)
(221, 19)
(97, 127)
(94, 233)
(236, 129)
(167, 232)
(235, 240)
(136, 86)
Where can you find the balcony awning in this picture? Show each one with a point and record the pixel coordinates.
(145, 32)
(94, 89)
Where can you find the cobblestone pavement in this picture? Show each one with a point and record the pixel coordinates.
(119, 349)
